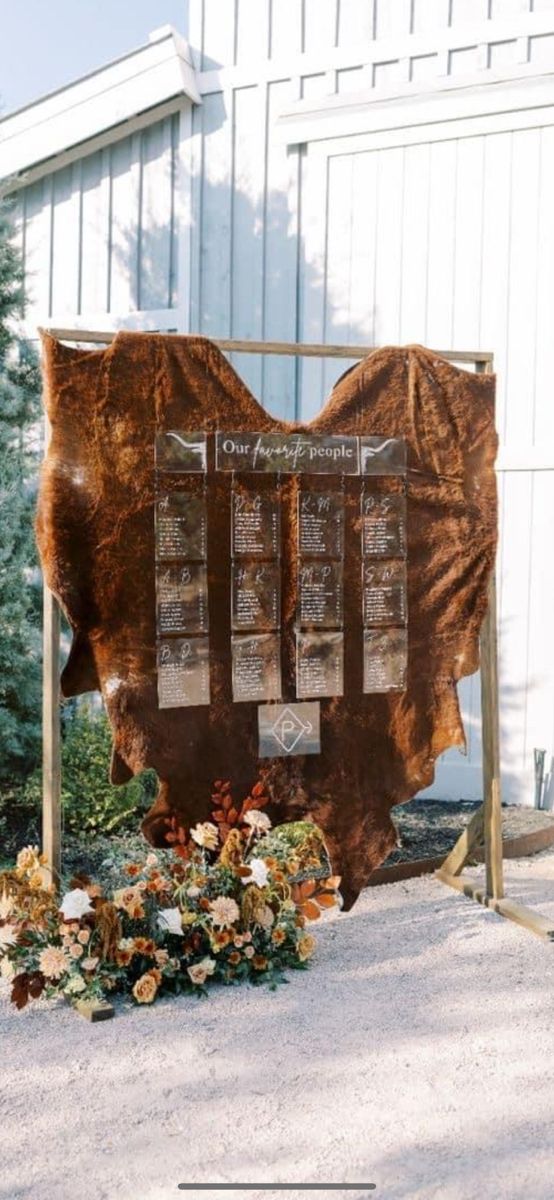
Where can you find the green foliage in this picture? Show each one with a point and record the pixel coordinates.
(19, 574)
(91, 804)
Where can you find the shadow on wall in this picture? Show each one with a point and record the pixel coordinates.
(251, 277)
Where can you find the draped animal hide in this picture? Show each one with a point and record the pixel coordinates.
(95, 532)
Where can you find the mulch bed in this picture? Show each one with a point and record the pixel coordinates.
(428, 828)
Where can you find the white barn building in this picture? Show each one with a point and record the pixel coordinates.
(353, 171)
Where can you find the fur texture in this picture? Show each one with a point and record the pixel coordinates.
(95, 532)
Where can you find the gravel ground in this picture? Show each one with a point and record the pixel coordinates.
(417, 1054)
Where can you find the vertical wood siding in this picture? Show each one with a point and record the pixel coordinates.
(98, 236)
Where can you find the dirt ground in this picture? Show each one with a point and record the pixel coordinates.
(416, 1055)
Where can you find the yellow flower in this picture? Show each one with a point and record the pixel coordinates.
(305, 947)
(145, 989)
(35, 881)
(28, 859)
(52, 962)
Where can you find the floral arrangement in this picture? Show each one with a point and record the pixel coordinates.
(228, 902)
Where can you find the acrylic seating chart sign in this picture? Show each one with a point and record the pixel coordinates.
(260, 599)
(254, 545)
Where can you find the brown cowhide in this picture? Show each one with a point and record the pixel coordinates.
(95, 532)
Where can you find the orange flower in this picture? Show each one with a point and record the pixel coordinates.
(145, 989)
(144, 945)
(123, 957)
(220, 938)
(234, 958)
(278, 936)
(132, 869)
(259, 962)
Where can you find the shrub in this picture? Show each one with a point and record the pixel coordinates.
(91, 804)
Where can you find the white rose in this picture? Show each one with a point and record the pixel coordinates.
(259, 872)
(75, 905)
(170, 919)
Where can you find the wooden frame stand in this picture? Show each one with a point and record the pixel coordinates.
(485, 824)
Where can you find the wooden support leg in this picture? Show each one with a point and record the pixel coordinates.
(51, 747)
(472, 836)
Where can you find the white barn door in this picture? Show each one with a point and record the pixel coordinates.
(450, 242)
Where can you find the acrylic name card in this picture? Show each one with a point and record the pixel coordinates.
(183, 672)
(321, 524)
(384, 593)
(383, 526)
(319, 665)
(181, 526)
(256, 595)
(182, 598)
(256, 666)
(255, 525)
(385, 660)
(320, 594)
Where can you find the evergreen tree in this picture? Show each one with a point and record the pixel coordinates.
(19, 575)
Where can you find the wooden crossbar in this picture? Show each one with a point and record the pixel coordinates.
(297, 349)
(486, 822)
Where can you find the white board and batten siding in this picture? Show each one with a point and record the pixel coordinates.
(359, 171)
(99, 235)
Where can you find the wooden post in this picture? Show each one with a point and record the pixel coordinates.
(491, 750)
(51, 740)
(51, 745)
